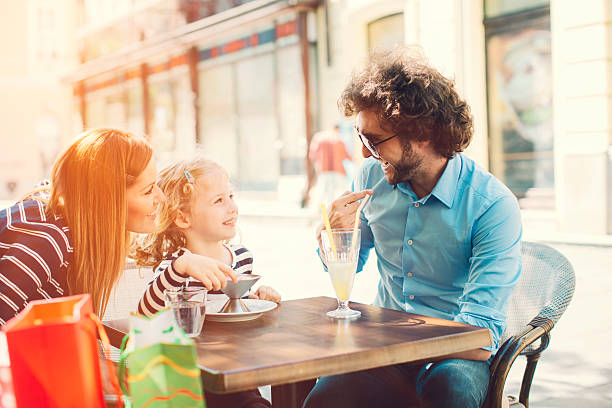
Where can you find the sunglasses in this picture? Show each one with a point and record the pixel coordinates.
(372, 146)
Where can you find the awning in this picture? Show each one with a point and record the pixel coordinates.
(220, 24)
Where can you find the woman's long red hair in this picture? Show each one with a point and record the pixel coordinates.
(88, 189)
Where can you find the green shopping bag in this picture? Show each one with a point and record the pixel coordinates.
(161, 360)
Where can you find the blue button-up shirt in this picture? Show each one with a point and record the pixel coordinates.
(453, 254)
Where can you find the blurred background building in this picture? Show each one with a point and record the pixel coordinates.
(36, 43)
(227, 77)
(249, 82)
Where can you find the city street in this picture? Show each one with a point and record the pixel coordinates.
(288, 97)
(576, 370)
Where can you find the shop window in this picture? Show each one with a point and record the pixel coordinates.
(519, 86)
(291, 107)
(252, 116)
(218, 118)
(239, 120)
(184, 124)
(95, 111)
(115, 110)
(162, 115)
(386, 32)
(134, 110)
(172, 119)
(495, 8)
(222, 5)
(259, 140)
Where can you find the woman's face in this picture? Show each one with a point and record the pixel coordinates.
(143, 198)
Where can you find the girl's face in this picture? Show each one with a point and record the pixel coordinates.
(214, 212)
(143, 198)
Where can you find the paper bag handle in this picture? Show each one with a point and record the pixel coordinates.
(122, 363)
(110, 368)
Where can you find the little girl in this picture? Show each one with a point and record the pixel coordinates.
(195, 222)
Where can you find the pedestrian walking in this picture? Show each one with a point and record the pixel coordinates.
(328, 153)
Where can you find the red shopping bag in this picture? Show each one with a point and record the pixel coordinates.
(53, 352)
(7, 398)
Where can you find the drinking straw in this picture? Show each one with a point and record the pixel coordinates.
(354, 239)
(329, 231)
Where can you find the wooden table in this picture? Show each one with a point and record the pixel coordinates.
(294, 344)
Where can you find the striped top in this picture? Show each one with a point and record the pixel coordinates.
(35, 251)
(165, 277)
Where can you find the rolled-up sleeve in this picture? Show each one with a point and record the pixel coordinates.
(494, 268)
(367, 238)
(367, 243)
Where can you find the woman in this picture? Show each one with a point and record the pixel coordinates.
(102, 188)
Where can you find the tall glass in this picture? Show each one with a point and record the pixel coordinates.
(189, 307)
(341, 261)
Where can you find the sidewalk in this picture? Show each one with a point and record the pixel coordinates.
(253, 207)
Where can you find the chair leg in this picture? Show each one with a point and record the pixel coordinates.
(532, 362)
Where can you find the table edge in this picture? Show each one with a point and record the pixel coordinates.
(235, 381)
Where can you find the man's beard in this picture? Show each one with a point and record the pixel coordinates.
(407, 167)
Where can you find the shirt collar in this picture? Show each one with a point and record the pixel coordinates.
(446, 187)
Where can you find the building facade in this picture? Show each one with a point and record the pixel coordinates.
(36, 107)
(537, 75)
(249, 82)
(229, 78)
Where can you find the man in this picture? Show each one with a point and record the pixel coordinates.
(446, 233)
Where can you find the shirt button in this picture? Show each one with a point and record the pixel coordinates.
(416, 204)
(411, 297)
(409, 242)
(409, 274)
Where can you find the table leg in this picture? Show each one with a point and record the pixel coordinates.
(291, 395)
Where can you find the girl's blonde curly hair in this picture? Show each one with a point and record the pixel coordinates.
(178, 186)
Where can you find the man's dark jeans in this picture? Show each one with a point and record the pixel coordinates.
(444, 384)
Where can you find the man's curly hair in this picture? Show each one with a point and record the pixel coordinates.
(411, 99)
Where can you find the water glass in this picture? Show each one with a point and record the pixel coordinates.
(189, 307)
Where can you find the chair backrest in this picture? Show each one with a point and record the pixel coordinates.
(129, 289)
(544, 289)
(126, 294)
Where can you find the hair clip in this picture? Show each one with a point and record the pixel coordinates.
(189, 177)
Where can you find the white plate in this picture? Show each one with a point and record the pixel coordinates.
(257, 308)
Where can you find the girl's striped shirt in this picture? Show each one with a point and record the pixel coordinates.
(166, 277)
(35, 251)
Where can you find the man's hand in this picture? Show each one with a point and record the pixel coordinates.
(342, 211)
(212, 273)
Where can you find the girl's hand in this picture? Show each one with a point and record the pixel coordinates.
(266, 293)
(212, 273)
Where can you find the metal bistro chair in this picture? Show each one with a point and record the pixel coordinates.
(542, 294)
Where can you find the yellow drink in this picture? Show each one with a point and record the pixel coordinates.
(342, 275)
